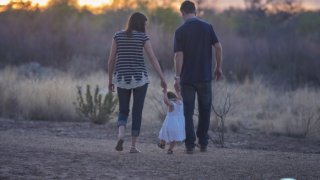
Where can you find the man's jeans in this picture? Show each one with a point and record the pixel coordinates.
(204, 94)
(124, 96)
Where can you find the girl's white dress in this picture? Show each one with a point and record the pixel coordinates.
(173, 128)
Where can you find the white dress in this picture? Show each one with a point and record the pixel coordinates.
(173, 128)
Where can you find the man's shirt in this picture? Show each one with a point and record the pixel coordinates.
(195, 39)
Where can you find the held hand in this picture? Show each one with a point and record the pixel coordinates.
(111, 87)
(217, 75)
(177, 85)
(163, 84)
(164, 90)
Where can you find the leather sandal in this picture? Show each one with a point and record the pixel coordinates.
(162, 146)
(134, 150)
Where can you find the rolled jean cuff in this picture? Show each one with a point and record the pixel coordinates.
(123, 123)
(135, 133)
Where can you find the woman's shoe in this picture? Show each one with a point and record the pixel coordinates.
(119, 146)
(134, 150)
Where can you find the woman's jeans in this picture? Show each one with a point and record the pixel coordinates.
(204, 95)
(124, 96)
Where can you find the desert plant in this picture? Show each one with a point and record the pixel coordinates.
(94, 109)
(221, 106)
(310, 122)
(157, 106)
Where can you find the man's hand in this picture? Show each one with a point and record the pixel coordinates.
(111, 87)
(177, 85)
(217, 75)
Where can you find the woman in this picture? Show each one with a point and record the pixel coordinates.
(130, 74)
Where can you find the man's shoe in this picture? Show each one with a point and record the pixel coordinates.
(202, 148)
(188, 151)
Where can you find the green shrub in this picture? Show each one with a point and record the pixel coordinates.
(94, 109)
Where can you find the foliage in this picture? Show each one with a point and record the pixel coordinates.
(155, 103)
(167, 19)
(97, 111)
(306, 123)
(221, 106)
(272, 38)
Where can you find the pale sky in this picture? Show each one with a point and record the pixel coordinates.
(310, 4)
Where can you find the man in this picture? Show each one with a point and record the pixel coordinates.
(194, 72)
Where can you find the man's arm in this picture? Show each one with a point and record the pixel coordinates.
(217, 75)
(178, 62)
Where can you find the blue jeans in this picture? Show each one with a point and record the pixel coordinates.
(204, 95)
(124, 96)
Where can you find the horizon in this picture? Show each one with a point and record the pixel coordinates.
(220, 4)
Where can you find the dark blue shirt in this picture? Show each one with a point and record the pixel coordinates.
(195, 39)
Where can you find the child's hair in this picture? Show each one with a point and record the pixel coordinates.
(171, 95)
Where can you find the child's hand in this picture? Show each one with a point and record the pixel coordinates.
(164, 90)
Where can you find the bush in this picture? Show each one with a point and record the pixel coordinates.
(98, 112)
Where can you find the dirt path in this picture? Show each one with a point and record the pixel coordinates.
(35, 156)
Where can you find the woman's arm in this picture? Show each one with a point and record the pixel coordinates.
(165, 98)
(111, 62)
(154, 62)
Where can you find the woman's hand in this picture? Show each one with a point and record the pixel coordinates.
(164, 84)
(164, 90)
(111, 87)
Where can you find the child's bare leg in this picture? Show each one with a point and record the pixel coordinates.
(163, 142)
(172, 144)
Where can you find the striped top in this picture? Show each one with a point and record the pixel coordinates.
(130, 71)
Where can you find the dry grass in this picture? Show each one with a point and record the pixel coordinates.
(261, 110)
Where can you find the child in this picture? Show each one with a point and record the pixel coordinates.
(173, 126)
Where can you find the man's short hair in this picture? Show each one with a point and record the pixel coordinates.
(188, 7)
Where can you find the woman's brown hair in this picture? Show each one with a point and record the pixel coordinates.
(171, 95)
(136, 22)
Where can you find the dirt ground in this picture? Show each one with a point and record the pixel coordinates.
(70, 150)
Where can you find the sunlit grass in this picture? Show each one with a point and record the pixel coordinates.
(262, 109)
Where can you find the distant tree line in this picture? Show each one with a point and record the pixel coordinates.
(275, 39)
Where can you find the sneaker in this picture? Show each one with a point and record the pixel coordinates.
(202, 148)
(188, 151)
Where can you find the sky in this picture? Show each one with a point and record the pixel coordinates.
(310, 4)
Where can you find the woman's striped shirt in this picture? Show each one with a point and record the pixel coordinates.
(130, 69)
